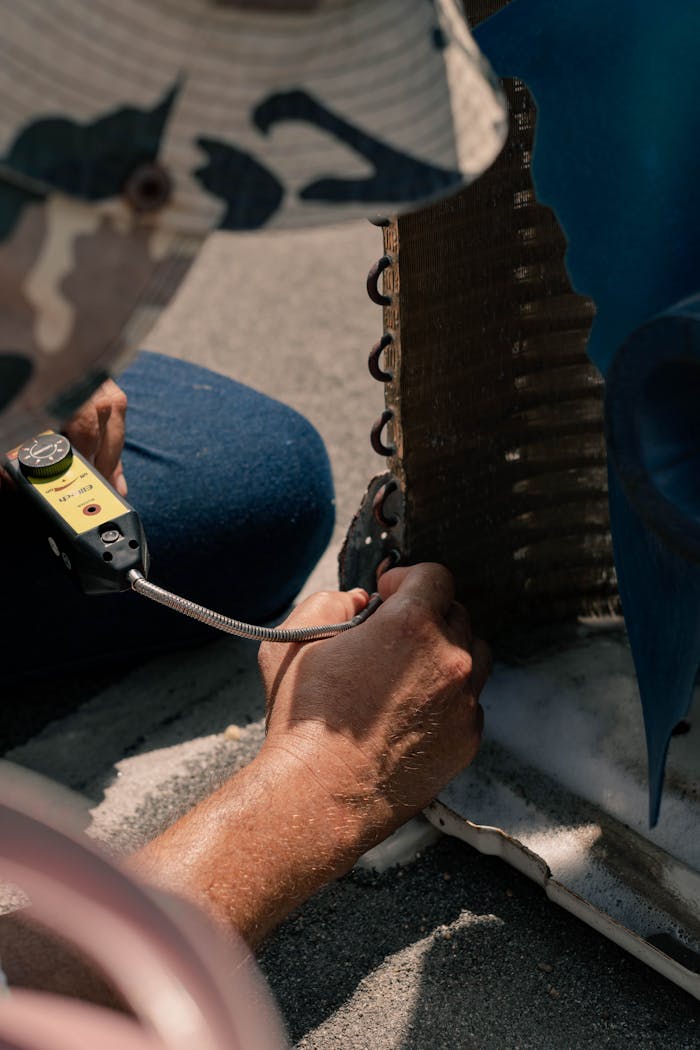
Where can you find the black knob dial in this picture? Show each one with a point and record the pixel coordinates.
(45, 456)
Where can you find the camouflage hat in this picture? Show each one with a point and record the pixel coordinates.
(129, 131)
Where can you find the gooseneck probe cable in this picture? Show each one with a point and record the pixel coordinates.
(141, 585)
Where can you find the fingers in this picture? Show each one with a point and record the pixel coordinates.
(327, 607)
(97, 432)
(459, 625)
(431, 584)
(482, 662)
(110, 405)
(119, 481)
(83, 431)
(459, 629)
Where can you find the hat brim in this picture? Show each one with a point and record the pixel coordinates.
(231, 119)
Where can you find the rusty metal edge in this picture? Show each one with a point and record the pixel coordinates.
(493, 841)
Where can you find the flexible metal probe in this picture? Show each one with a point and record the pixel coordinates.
(141, 585)
(101, 542)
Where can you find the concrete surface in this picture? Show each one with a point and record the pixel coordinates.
(454, 950)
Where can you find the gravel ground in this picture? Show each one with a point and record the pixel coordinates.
(458, 950)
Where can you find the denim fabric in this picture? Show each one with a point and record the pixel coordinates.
(235, 493)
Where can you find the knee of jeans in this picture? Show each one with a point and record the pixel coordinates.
(305, 474)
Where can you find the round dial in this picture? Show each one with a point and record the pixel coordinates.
(45, 456)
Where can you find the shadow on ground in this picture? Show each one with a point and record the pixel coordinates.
(449, 928)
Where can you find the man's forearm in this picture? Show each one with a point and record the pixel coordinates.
(258, 847)
(248, 855)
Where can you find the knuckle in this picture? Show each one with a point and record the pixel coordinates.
(437, 577)
(414, 619)
(103, 407)
(120, 401)
(469, 732)
(459, 664)
(441, 573)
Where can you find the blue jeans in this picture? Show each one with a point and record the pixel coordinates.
(235, 493)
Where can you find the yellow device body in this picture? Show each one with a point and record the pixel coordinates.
(80, 496)
(97, 535)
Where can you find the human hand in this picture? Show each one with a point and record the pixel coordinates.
(363, 731)
(383, 716)
(97, 432)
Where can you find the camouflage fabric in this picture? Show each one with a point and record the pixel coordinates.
(129, 131)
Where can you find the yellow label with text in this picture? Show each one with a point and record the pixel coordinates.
(80, 496)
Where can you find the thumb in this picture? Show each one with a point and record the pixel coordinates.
(324, 607)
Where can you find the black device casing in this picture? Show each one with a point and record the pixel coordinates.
(97, 567)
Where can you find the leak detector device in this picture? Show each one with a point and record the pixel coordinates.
(94, 531)
(100, 539)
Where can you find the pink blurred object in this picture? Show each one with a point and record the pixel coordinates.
(188, 986)
(31, 1021)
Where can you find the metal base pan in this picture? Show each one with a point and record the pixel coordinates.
(559, 791)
